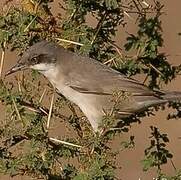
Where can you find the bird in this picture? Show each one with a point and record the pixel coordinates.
(94, 87)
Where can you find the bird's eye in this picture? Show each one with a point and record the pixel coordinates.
(34, 59)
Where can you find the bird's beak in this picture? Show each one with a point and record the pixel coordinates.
(17, 67)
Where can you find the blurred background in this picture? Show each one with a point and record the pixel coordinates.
(129, 160)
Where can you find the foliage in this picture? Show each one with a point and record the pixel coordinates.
(157, 155)
(26, 146)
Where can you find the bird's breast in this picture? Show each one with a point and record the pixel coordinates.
(88, 103)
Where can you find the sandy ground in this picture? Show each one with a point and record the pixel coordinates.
(129, 160)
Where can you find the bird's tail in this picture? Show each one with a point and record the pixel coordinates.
(172, 96)
(165, 97)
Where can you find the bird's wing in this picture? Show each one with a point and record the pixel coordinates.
(91, 77)
(108, 86)
(88, 91)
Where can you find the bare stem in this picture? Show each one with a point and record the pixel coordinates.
(2, 59)
(64, 142)
(27, 27)
(99, 25)
(131, 18)
(17, 112)
(50, 111)
(68, 41)
(42, 96)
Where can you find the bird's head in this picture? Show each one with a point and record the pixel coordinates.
(41, 56)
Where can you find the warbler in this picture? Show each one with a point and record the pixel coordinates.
(93, 86)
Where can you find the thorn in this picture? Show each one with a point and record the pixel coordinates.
(68, 41)
(64, 142)
(42, 96)
(2, 59)
(17, 112)
(50, 111)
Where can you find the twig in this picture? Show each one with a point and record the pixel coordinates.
(36, 5)
(69, 41)
(136, 12)
(136, 5)
(145, 79)
(2, 58)
(173, 164)
(99, 25)
(45, 111)
(118, 49)
(42, 110)
(42, 96)
(19, 80)
(30, 24)
(110, 60)
(157, 70)
(128, 16)
(64, 142)
(32, 109)
(50, 111)
(19, 86)
(115, 129)
(145, 3)
(72, 15)
(17, 112)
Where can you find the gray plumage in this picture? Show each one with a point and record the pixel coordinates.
(90, 84)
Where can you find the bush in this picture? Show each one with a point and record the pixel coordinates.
(26, 144)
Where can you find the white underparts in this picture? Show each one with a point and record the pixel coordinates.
(84, 101)
(42, 67)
